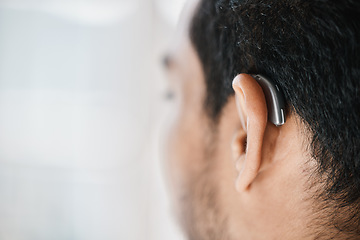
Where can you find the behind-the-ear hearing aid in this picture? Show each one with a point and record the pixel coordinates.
(274, 99)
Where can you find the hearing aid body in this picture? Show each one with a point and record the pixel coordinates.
(275, 100)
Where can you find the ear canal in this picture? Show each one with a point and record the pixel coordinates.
(275, 99)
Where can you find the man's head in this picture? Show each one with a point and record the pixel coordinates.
(235, 175)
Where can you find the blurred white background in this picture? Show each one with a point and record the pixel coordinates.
(80, 102)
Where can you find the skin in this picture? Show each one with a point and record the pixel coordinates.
(242, 178)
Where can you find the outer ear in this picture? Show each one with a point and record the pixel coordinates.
(252, 109)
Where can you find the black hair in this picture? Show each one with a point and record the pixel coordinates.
(311, 50)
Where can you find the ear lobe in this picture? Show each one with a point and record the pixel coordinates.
(252, 109)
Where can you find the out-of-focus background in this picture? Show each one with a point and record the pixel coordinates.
(81, 93)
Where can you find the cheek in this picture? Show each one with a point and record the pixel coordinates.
(183, 151)
(185, 145)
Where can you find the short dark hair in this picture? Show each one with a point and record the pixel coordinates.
(310, 49)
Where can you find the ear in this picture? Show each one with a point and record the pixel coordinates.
(252, 109)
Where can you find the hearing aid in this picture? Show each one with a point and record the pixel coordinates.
(275, 99)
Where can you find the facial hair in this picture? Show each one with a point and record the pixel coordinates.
(201, 214)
